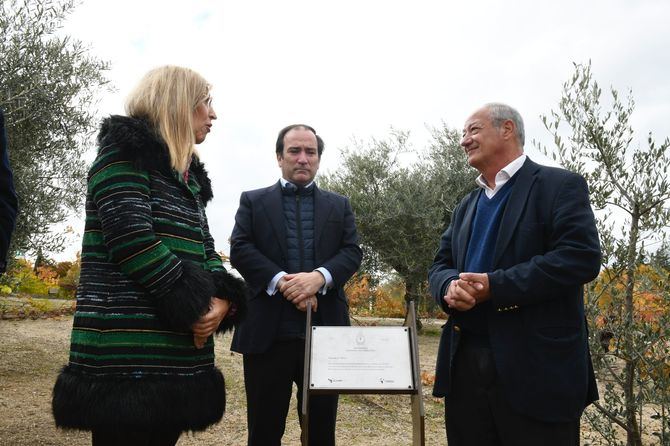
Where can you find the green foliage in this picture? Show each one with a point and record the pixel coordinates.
(48, 84)
(22, 307)
(661, 257)
(40, 305)
(22, 278)
(629, 185)
(401, 210)
(68, 282)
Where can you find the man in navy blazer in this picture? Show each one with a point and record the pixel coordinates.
(8, 202)
(514, 363)
(293, 243)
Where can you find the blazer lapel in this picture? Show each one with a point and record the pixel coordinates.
(515, 206)
(322, 210)
(464, 231)
(273, 205)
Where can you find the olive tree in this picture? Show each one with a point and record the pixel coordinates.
(630, 189)
(48, 86)
(403, 208)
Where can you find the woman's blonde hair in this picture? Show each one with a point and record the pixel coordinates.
(167, 97)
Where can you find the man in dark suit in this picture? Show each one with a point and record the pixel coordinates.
(8, 204)
(514, 363)
(293, 243)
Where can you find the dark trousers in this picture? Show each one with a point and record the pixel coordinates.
(268, 380)
(134, 438)
(477, 412)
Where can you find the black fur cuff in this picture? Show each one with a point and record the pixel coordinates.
(189, 297)
(235, 291)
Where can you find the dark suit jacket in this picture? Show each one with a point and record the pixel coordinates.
(258, 251)
(547, 248)
(8, 204)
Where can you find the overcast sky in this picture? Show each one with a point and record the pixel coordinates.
(356, 68)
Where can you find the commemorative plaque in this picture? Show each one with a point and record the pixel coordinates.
(350, 358)
(381, 360)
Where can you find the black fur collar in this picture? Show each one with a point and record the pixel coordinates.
(198, 170)
(145, 148)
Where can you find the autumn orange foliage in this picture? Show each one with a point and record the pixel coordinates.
(427, 378)
(650, 301)
(651, 308)
(381, 301)
(48, 275)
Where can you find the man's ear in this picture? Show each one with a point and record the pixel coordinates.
(508, 128)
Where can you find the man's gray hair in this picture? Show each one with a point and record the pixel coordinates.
(500, 113)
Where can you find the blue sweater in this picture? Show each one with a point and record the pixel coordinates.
(481, 247)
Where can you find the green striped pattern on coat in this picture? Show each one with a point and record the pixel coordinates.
(140, 227)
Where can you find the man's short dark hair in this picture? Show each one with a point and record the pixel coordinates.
(282, 133)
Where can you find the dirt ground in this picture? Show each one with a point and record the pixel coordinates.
(32, 352)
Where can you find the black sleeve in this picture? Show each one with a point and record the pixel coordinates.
(8, 201)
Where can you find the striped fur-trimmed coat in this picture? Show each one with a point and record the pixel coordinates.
(148, 271)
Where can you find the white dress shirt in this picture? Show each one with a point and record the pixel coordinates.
(502, 177)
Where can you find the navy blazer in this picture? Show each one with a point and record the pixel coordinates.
(547, 249)
(8, 202)
(259, 251)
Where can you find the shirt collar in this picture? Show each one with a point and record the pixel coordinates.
(284, 182)
(505, 173)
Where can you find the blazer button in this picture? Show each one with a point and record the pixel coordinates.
(457, 328)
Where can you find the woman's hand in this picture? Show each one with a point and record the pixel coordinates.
(209, 322)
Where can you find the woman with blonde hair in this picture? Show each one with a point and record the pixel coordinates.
(152, 289)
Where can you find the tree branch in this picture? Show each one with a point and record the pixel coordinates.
(610, 415)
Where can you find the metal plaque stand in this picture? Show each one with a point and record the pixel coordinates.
(416, 396)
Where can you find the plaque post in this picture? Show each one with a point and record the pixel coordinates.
(304, 435)
(349, 360)
(418, 411)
